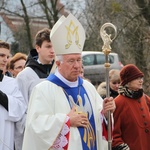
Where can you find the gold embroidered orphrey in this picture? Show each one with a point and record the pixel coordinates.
(72, 30)
(89, 135)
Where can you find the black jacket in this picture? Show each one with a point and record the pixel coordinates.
(113, 93)
(3, 96)
(41, 70)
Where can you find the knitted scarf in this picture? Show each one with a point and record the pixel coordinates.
(124, 90)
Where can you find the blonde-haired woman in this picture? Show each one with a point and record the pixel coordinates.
(114, 82)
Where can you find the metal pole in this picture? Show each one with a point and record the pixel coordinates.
(107, 49)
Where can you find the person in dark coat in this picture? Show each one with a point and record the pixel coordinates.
(132, 114)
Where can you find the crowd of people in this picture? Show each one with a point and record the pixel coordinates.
(47, 104)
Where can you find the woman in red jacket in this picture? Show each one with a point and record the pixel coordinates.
(132, 114)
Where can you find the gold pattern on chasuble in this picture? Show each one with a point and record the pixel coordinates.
(72, 33)
(89, 135)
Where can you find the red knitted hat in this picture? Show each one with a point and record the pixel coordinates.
(129, 73)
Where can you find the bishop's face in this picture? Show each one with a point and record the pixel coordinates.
(70, 66)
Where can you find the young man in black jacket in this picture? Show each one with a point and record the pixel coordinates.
(38, 66)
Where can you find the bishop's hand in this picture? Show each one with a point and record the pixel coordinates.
(108, 105)
(78, 119)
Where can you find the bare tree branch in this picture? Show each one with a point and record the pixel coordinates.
(144, 8)
(27, 22)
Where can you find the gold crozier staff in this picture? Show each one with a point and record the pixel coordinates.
(107, 49)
